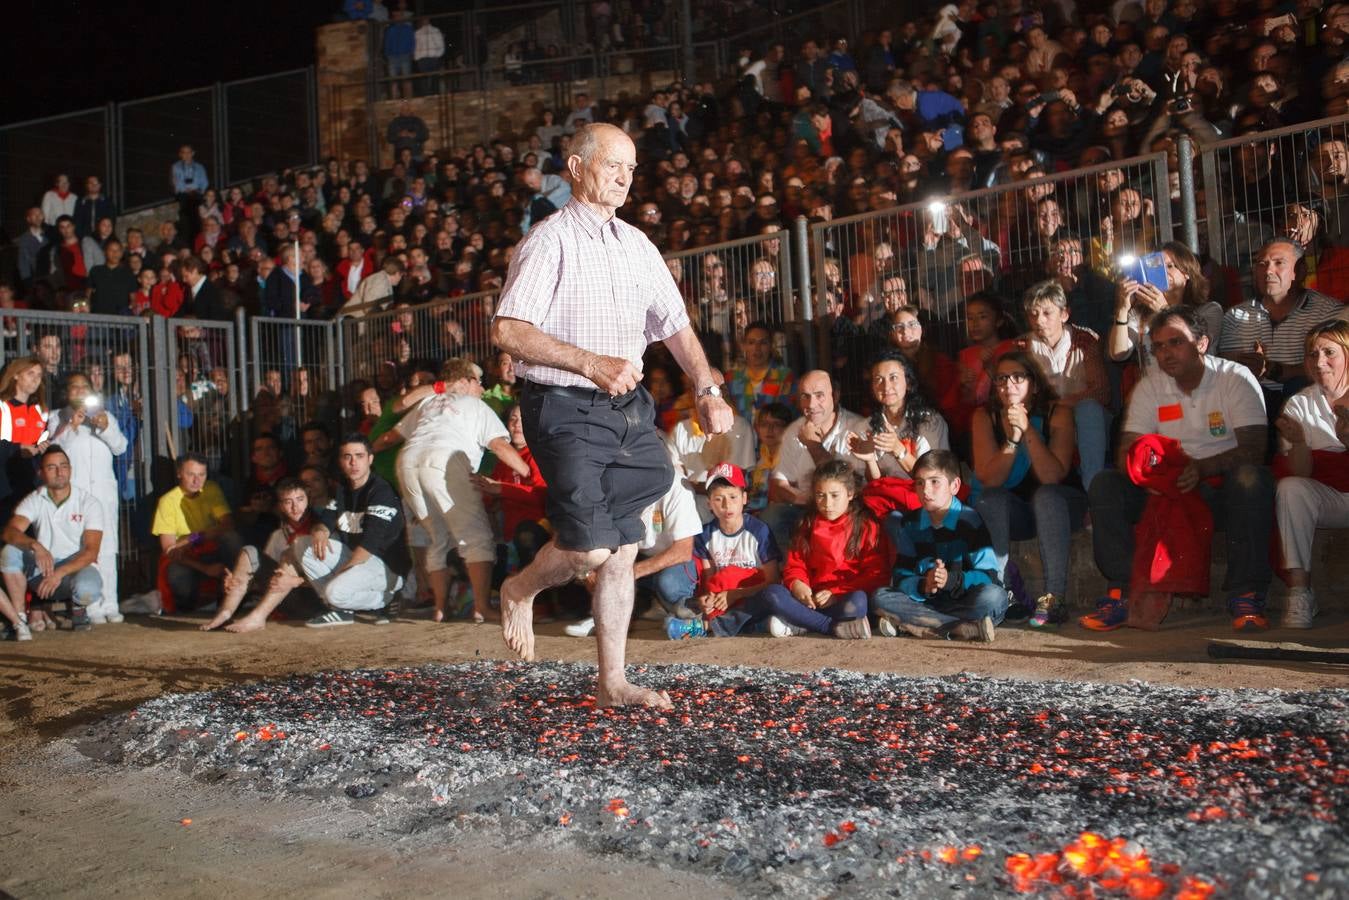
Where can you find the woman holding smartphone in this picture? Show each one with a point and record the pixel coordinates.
(1136, 303)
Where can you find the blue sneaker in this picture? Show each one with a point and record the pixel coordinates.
(677, 629)
(1110, 614)
(1248, 612)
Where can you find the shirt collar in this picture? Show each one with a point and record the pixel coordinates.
(589, 220)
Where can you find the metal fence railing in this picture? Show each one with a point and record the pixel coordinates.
(292, 376)
(381, 347)
(33, 153)
(941, 250)
(197, 400)
(113, 353)
(1288, 182)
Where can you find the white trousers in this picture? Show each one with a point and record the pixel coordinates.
(366, 586)
(447, 505)
(1301, 505)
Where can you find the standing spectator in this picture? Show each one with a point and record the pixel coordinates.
(189, 181)
(582, 113)
(59, 201)
(32, 242)
(111, 284)
(23, 429)
(202, 299)
(92, 441)
(92, 207)
(400, 41)
(547, 194)
(124, 403)
(759, 381)
(407, 131)
(428, 55)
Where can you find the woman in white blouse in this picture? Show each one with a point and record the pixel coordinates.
(1313, 488)
(904, 425)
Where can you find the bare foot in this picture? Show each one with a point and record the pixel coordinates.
(246, 624)
(485, 615)
(625, 694)
(220, 619)
(438, 615)
(517, 620)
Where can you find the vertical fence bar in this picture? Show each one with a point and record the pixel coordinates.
(1189, 209)
(801, 242)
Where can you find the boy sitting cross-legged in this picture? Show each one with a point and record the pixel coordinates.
(946, 575)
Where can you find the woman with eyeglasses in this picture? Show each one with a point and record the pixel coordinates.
(1023, 443)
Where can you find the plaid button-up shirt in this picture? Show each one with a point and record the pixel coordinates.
(601, 286)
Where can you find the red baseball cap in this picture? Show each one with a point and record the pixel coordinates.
(731, 474)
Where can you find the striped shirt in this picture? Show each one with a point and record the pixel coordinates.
(961, 542)
(1249, 321)
(600, 286)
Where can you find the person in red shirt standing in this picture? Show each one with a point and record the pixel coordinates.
(23, 437)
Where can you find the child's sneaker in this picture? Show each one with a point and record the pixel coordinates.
(887, 625)
(677, 629)
(1111, 613)
(1046, 613)
(780, 629)
(1248, 612)
(853, 629)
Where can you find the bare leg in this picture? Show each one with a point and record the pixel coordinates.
(16, 587)
(236, 586)
(480, 579)
(440, 591)
(283, 582)
(612, 605)
(551, 567)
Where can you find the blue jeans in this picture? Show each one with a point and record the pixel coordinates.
(776, 600)
(1092, 422)
(942, 610)
(674, 587)
(1055, 511)
(85, 586)
(1243, 507)
(184, 580)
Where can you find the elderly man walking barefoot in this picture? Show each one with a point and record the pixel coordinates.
(585, 295)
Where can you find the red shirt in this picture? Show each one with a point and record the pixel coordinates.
(166, 299)
(522, 498)
(826, 565)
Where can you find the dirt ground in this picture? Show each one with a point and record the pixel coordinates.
(74, 828)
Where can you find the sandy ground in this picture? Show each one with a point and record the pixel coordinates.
(74, 828)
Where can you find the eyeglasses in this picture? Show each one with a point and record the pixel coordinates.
(1011, 378)
(906, 326)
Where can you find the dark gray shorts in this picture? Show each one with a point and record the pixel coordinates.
(603, 459)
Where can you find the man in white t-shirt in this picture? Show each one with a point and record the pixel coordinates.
(1215, 409)
(664, 565)
(695, 452)
(821, 434)
(443, 436)
(60, 563)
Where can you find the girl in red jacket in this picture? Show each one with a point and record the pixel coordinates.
(838, 557)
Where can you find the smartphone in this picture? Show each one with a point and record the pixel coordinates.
(938, 213)
(1182, 104)
(1149, 268)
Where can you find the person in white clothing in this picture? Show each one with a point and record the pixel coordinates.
(91, 438)
(444, 435)
(822, 433)
(695, 453)
(59, 201)
(59, 563)
(1313, 465)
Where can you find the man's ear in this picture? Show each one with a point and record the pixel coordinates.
(1202, 344)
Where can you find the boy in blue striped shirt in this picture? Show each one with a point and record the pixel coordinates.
(946, 575)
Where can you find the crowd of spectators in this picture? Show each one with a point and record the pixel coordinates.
(978, 95)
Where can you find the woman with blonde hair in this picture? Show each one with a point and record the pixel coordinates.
(1312, 464)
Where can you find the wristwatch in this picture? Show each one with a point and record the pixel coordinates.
(711, 390)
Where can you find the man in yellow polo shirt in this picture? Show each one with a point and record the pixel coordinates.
(196, 534)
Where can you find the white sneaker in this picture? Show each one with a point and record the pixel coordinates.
(115, 617)
(583, 628)
(1300, 608)
(885, 625)
(146, 604)
(97, 618)
(780, 629)
(21, 631)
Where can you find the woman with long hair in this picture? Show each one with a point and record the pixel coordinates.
(1023, 442)
(1135, 303)
(904, 425)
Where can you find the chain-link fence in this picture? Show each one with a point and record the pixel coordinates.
(198, 406)
(151, 131)
(293, 377)
(268, 124)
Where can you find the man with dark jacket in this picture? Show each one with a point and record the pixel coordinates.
(92, 207)
(203, 298)
(111, 284)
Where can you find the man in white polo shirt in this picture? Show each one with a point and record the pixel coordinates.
(60, 563)
(1215, 409)
(821, 434)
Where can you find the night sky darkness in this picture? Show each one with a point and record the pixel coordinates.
(67, 55)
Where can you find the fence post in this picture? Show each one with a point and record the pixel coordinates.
(1188, 207)
(220, 126)
(311, 93)
(339, 339)
(240, 372)
(1208, 161)
(801, 251)
(164, 398)
(686, 31)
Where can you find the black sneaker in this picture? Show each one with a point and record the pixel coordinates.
(79, 619)
(330, 619)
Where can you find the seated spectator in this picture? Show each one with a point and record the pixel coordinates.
(196, 535)
(359, 565)
(696, 453)
(945, 581)
(1215, 409)
(1268, 332)
(520, 499)
(903, 427)
(1070, 356)
(1313, 487)
(770, 424)
(735, 556)
(254, 568)
(984, 326)
(269, 466)
(665, 567)
(934, 372)
(501, 394)
(59, 563)
(758, 380)
(444, 435)
(821, 434)
(1023, 442)
(317, 445)
(1135, 303)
